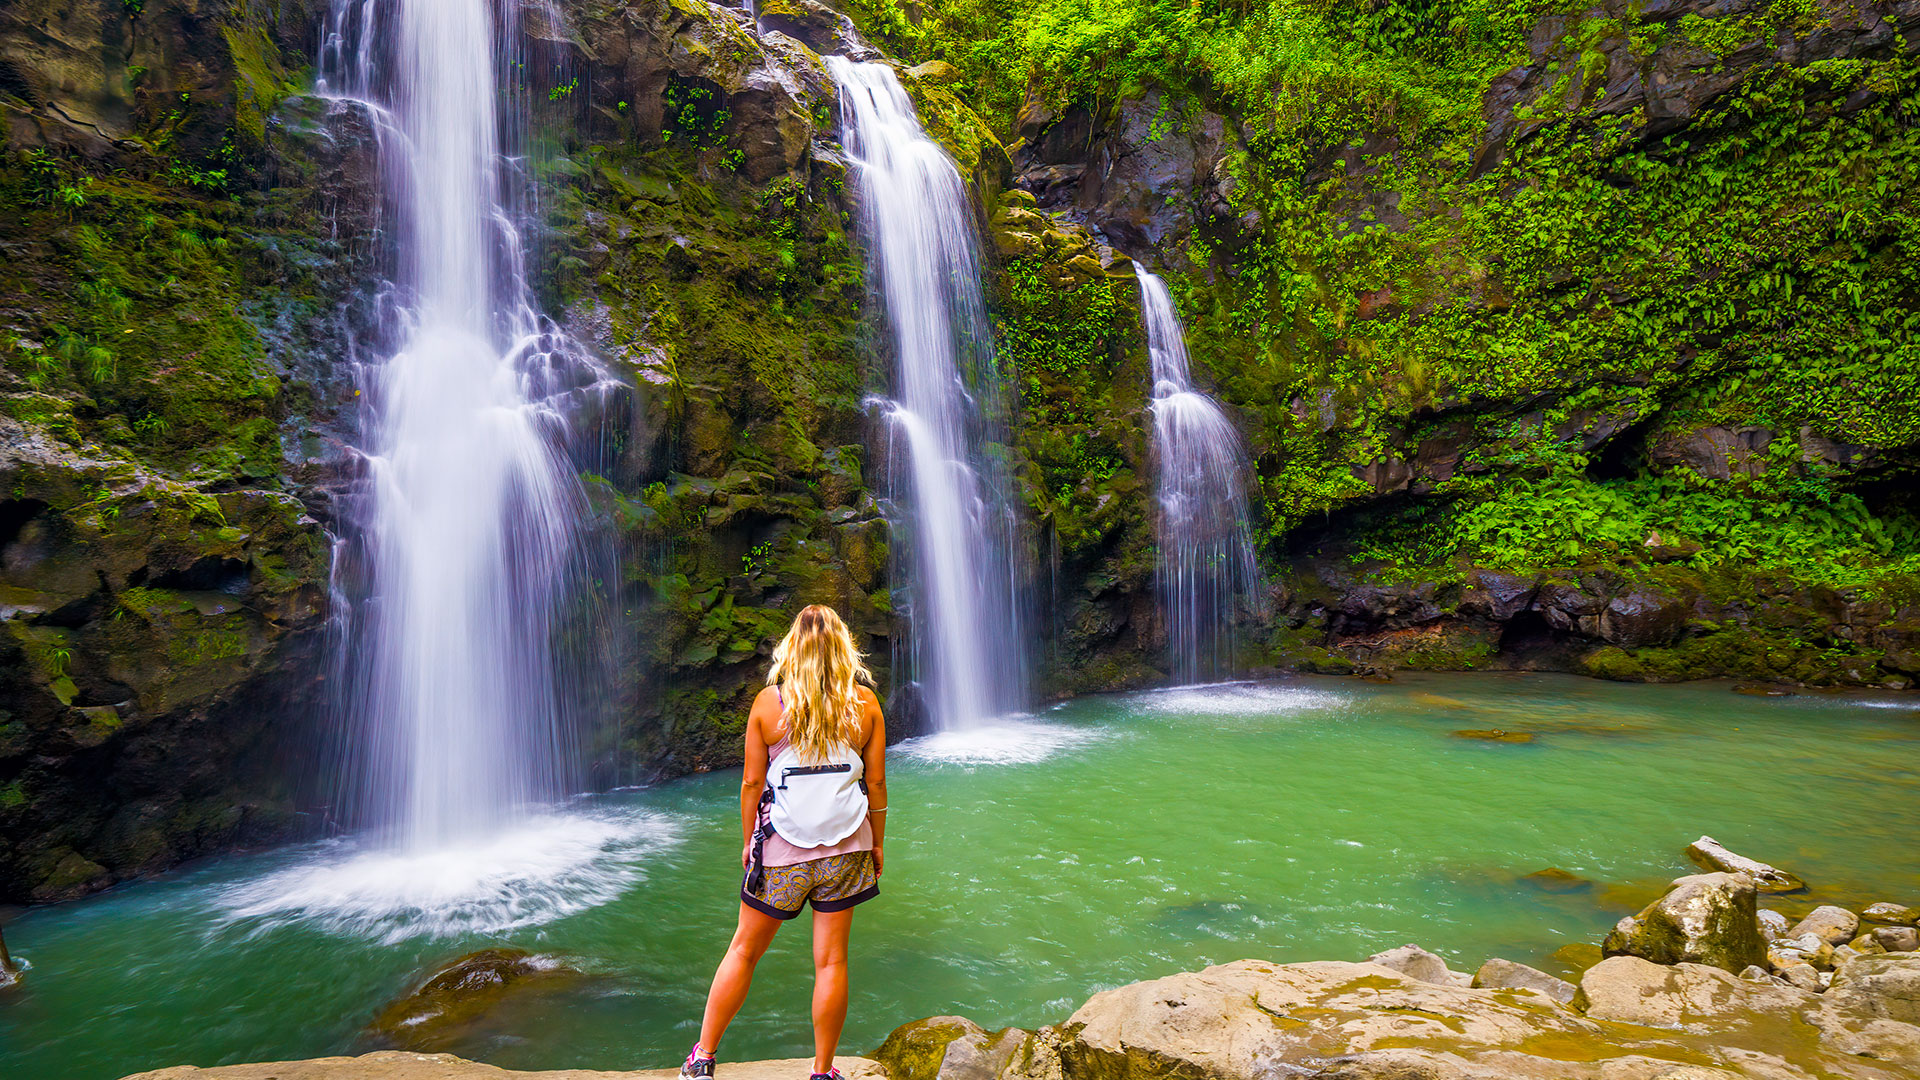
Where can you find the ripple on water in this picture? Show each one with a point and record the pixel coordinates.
(1003, 742)
(1237, 699)
(546, 868)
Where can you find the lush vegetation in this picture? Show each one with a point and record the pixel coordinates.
(1588, 305)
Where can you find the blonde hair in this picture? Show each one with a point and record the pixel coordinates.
(817, 667)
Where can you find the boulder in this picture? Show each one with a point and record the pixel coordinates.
(1355, 1021)
(949, 1048)
(1833, 925)
(1417, 963)
(1702, 919)
(1891, 914)
(1697, 998)
(1708, 854)
(1505, 974)
(1885, 985)
(1896, 938)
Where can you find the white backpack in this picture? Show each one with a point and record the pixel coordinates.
(820, 803)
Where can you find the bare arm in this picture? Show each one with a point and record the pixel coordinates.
(874, 757)
(753, 777)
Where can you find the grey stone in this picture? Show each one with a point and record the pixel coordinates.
(1498, 973)
(1897, 938)
(1886, 986)
(1772, 924)
(1708, 854)
(1416, 962)
(1804, 976)
(1833, 925)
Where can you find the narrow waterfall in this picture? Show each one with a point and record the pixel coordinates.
(464, 541)
(956, 513)
(1206, 566)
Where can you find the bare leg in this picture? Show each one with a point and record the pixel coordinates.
(730, 982)
(830, 932)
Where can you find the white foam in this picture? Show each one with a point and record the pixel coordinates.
(1237, 699)
(1003, 742)
(540, 870)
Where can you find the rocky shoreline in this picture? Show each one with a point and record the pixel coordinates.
(1701, 984)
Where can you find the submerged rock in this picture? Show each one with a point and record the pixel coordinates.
(1555, 880)
(447, 1009)
(1495, 735)
(1703, 919)
(1708, 854)
(1417, 963)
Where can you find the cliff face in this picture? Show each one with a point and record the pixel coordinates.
(1596, 364)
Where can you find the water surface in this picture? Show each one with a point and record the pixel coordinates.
(1106, 840)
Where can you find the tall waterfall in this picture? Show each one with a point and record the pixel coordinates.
(1206, 565)
(957, 514)
(465, 541)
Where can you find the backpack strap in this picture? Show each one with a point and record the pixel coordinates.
(763, 823)
(757, 859)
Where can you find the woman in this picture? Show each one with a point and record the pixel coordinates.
(814, 834)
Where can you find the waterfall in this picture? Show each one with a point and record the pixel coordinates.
(955, 509)
(1206, 567)
(464, 536)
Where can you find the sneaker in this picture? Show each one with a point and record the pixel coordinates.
(696, 1067)
(830, 1074)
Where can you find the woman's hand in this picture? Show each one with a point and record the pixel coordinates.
(878, 859)
(746, 855)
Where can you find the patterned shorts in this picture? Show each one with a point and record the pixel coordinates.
(834, 883)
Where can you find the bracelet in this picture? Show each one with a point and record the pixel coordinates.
(876, 809)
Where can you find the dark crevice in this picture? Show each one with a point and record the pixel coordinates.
(14, 515)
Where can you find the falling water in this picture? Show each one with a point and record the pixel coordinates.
(962, 590)
(1206, 566)
(465, 541)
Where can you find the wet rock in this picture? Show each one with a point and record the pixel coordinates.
(447, 1009)
(917, 1051)
(1806, 949)
(1642, 618)
(1708, 854)
(1886, 986)
(1833, 925)
(1866, 943)
(1498, 973)
(811, 23)
(1891, 914)
(1715, 452)
(1417, 963)
(1897, 938)
(1703, 919)
(1494, 735)
(1772, 923)
(952, 1048)
(9, 971)
(1762, 690)
(1578, 955)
